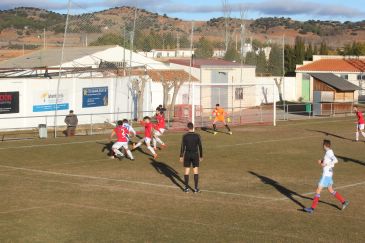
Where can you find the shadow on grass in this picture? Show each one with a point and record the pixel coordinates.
(211, 131)
(346, 159)
(290, 194)
(169, 172)
(330, 134)
(107, 147)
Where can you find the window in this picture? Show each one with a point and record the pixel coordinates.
(344, 76)
(239, 93)
(361, 77)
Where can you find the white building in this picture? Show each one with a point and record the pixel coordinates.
(168, 53)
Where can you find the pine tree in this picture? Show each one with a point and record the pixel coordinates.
(289, 61)
(261, 66)
(309, 52)
(232, 54)
(323, 49)
(299, 50)
(204, 48)
(275, 66)
(251, 58)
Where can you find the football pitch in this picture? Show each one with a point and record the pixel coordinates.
(254, 185)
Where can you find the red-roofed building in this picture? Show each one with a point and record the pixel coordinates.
(349, 68)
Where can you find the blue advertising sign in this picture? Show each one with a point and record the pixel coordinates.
(95, 97)
(52, 107)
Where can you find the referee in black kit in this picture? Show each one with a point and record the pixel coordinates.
(191, 154)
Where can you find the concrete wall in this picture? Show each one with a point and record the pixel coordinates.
(33, 92)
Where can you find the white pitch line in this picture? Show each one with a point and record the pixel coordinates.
(128, 181)
(312, 193)
(53, 144)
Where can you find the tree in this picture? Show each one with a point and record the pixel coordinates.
(289, 60)
(232, 54)
(299, 50)
(108, 39)
(138, 86)
(261, 66)
(323, 49)
(204, 48)
(275, 66)
(251, 58)
(309, 52)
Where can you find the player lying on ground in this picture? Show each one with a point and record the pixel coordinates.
(191, 154)
(326, 181)
(220, 116)
(160, 128)
(122, 134)
(148, 127)
(360, 123)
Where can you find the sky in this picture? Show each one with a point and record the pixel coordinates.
(352, 10)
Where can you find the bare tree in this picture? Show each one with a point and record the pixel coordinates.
(226, 8)
(138, 86)
(279, 83)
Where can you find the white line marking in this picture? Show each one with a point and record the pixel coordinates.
(53, 144)
(31, 208)
(128, 181)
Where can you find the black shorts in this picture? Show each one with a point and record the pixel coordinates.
(191, 160)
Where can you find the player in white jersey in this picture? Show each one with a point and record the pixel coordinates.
(326, 181)
(129, 128)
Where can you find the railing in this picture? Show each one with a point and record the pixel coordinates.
(101, 123)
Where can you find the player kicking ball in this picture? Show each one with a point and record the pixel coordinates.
(326, 181)
(148, 127)
(360, 123)
(191, 154)
(220, 116)
(159, 129)
(122, 141)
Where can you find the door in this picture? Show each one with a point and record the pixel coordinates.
(306, 89)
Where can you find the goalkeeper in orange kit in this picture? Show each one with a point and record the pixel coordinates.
(220, 116)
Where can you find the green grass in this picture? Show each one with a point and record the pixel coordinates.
(68, 190)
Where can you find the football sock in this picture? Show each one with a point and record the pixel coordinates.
(214, 127)
(196, 180)
(315, 200)
(363, 134)
(151, 149)
(129, 153)
(357, 136)
(154, 142)
(158, 140)
(186, 179)
(117, 152)
(228, 128)
(338, 197)
(138, 144)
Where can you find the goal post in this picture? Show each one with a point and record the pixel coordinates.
(244, 103)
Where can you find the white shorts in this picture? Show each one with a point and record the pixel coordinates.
(147, 141)
(119, 145)
(160, 132)
(360, 126)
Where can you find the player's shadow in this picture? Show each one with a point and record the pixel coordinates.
(107, 147)
(211, 131)
(169, 172)
(290, 194)
(330, 134)
(346, 159)
(208, 130)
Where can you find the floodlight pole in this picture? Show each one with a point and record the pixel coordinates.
(274, 106)
(60, 69)
(193, 104)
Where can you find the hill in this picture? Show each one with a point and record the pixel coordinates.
(26, 25)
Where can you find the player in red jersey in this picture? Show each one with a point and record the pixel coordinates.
(360, 123)
(148, 127)
(160, 128)
(122, 141)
